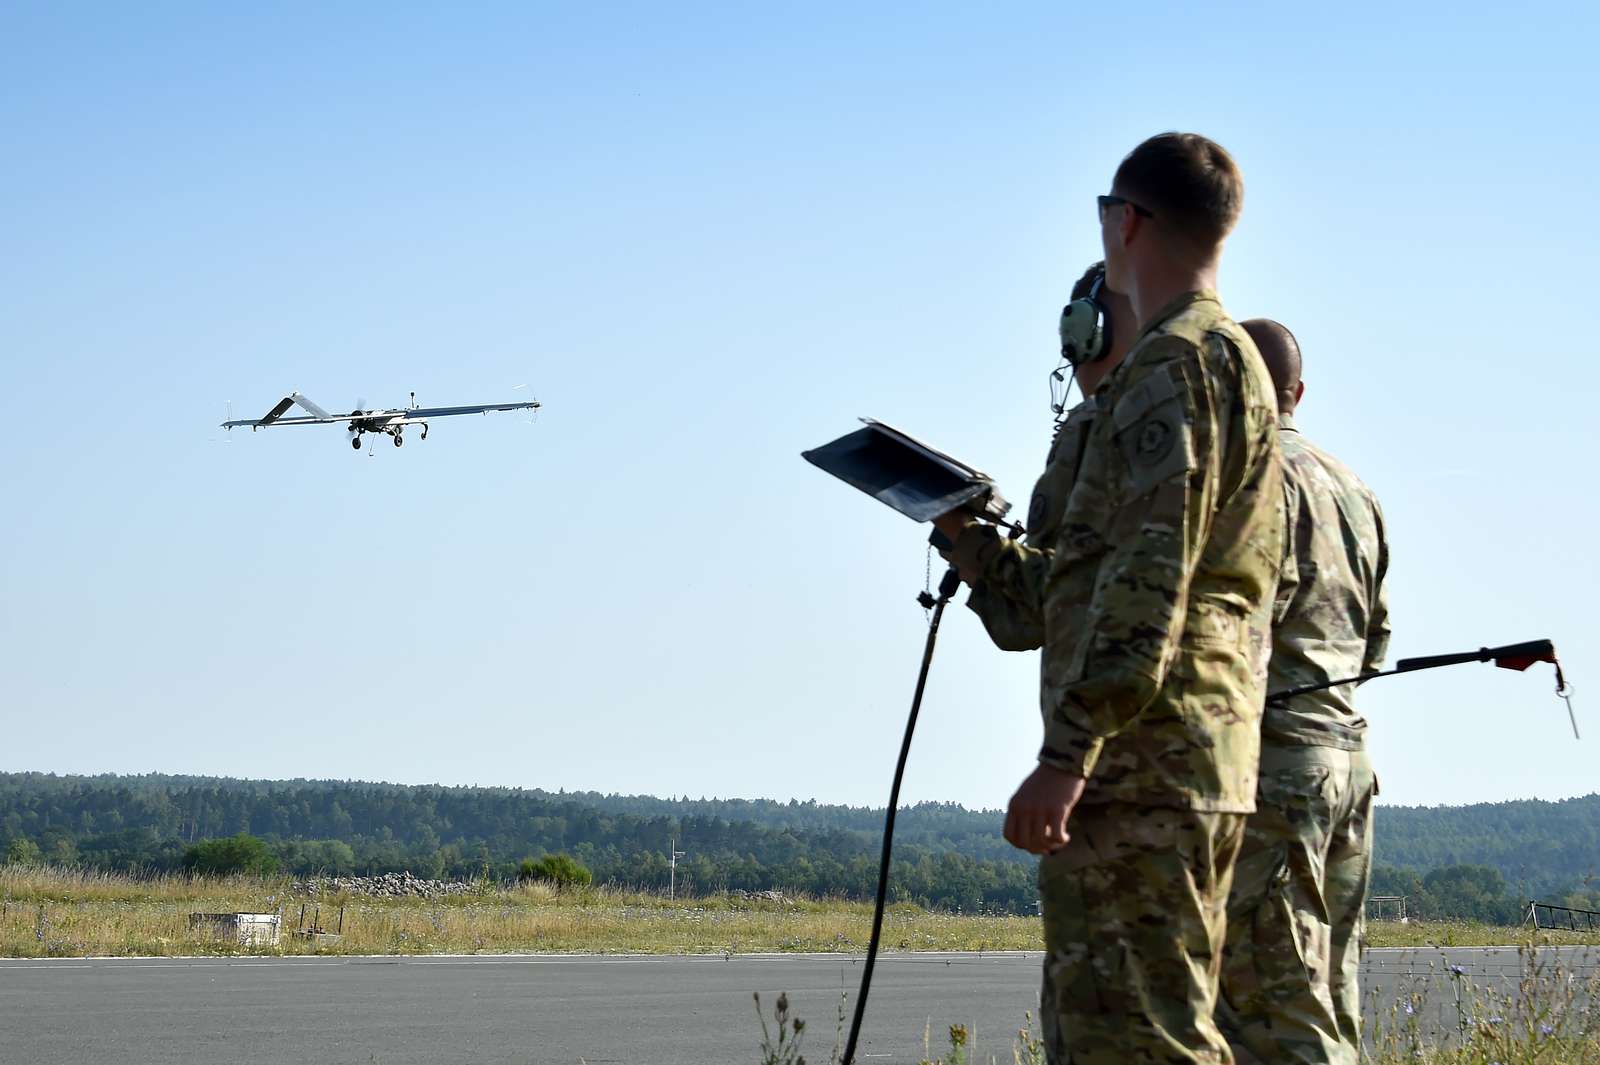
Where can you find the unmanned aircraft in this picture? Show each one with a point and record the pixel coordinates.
(391, 422)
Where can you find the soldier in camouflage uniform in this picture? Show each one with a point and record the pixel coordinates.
(1153, 544)
(1299, 891)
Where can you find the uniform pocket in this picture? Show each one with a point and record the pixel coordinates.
(1302, 783)
(1080, 964)
(1212, 624)
(1302, 798)
(1256, 925)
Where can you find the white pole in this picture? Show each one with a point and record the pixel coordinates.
(672, 865)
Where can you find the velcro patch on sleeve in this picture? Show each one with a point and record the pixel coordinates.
(1153, 433)
(1132, 407)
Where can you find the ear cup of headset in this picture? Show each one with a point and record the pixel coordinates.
(1085, 327)
(1082, 337)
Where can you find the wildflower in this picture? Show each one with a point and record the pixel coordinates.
(1545, 1029)
(1409, 1010)
(1458, 970)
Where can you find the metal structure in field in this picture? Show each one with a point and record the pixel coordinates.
(1568, 918)
(314, 932)
(245, 929)
(1389, 908)
(390, 422)
(673, 854)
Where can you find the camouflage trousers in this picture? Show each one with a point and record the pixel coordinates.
(1134, 907)
(1290, 988)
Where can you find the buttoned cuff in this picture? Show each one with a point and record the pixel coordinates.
(1070, 748)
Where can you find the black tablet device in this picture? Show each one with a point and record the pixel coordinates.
(896, 468)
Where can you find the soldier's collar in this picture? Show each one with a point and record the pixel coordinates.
(1174, 308)
(1286, 421)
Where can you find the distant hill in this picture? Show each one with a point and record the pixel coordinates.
(1546, 846)
(946, 855)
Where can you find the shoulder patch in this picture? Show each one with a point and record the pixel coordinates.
(1153, 390)
(1152, 432)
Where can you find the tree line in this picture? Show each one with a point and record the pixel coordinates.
(149, 823)
(1482, 862)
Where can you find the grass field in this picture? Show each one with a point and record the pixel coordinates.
(1469, 934)
(54, 912)
(66, 913)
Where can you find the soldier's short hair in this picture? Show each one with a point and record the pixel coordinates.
(1281, 352)
(1189, 182)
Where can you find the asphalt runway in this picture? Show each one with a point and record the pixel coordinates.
(500, 1010)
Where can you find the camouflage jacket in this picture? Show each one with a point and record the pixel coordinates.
(1331, 618)
(1147, 576)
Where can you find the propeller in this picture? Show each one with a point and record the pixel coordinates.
(352, 435)
(532, 414)
(227, 435)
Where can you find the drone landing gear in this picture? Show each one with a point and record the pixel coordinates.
(397, 440)
(355, 441)
(424, 430)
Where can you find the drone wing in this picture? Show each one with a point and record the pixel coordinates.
(415, 414)
(318, 416)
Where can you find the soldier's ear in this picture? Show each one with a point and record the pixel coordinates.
(1128, 225)
(1299, 391)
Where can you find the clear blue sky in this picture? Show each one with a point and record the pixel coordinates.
(707, 238)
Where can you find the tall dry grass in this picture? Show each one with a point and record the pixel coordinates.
(1550, 1015)
(53, 912)
(63, 912)
(1470, 934)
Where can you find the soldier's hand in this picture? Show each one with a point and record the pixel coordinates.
(951, 523)
(1036, 821)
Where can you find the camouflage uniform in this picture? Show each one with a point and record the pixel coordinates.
(1154, 541)
(1289, 982)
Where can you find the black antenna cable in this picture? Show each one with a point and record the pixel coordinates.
(947, 588)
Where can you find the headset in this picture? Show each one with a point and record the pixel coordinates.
(1085, 325)
(1085, 337)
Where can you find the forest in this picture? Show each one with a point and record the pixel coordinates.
(1482, 862)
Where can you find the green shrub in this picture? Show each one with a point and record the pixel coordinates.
(562, 870)
(243, 853)
(23, 851)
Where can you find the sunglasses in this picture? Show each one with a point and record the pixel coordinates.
(1112, 201)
